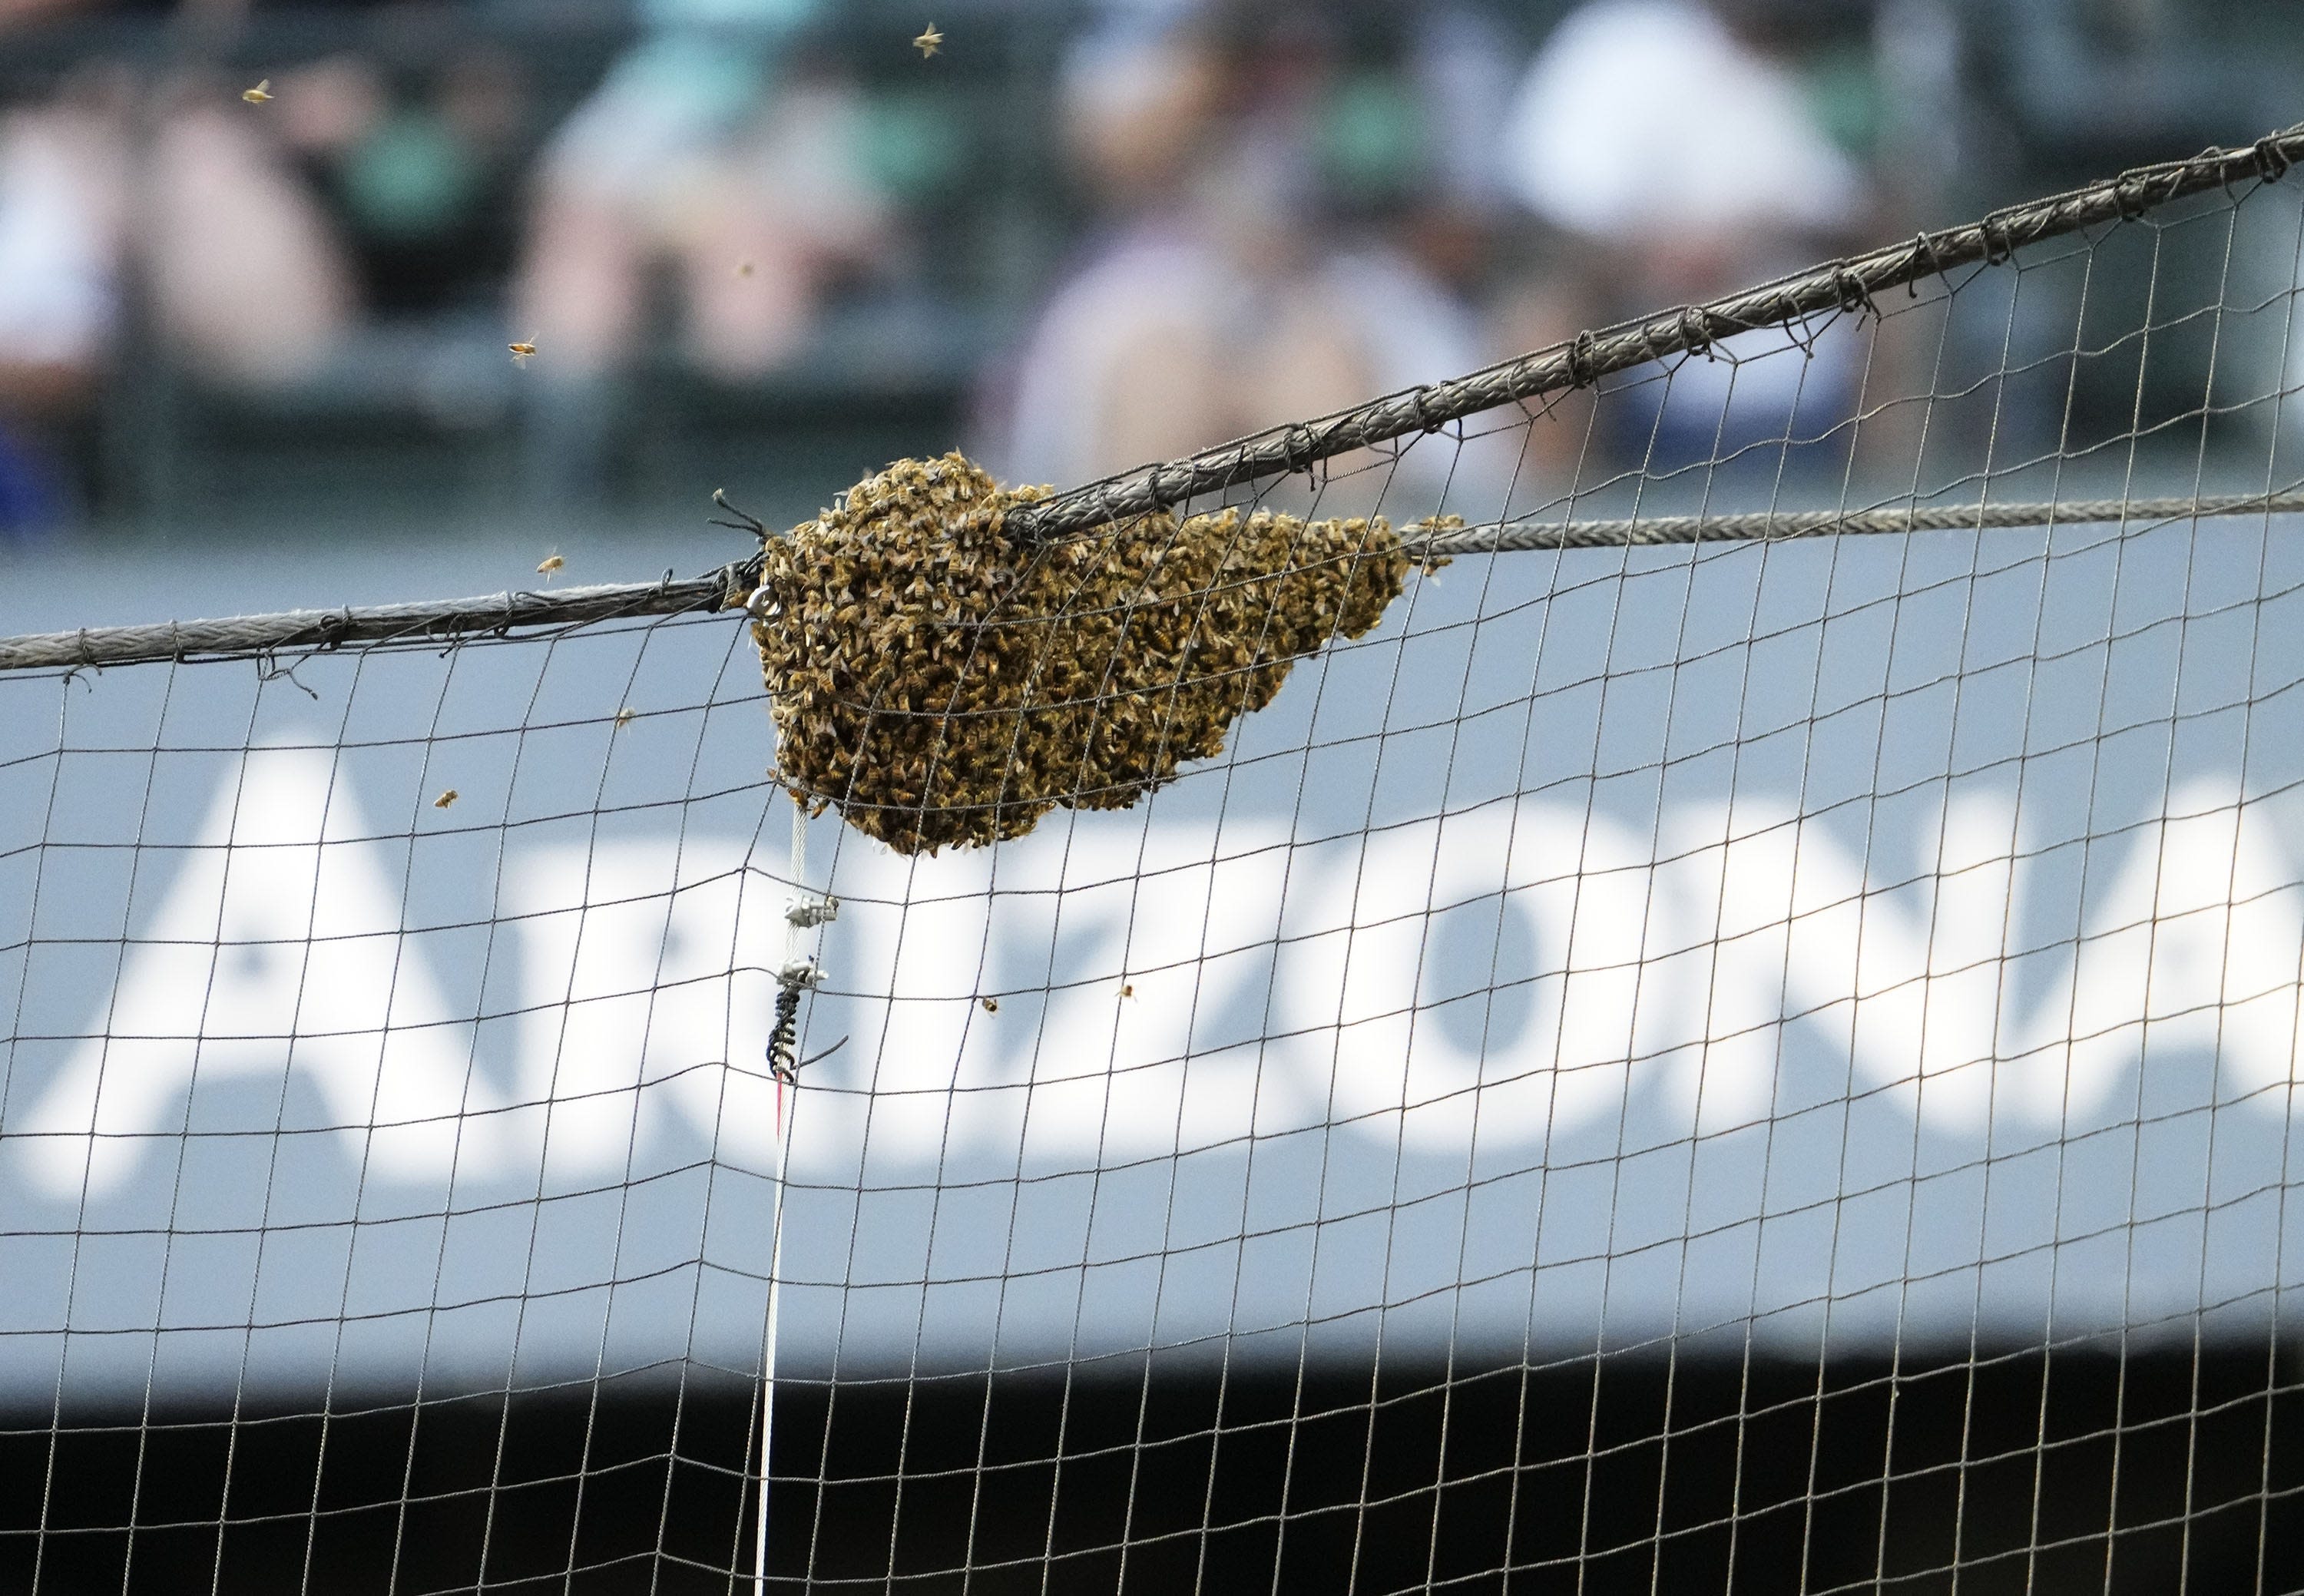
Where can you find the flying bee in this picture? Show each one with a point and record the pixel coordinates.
(926, 43)
(625, 716)
(522, 352)
(1127, 989)
(549, 565)
(744, 269)
(991, 1004)
(446, 798)
(259, 94)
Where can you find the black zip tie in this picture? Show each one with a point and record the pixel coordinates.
(1854, 297)
(2272, 163)
(1581, 362)
(2128, 200)
(1295, 450)
(816, 1059)
(268, 668)
(2217, 155)
(782, 1063)
(1997, 249)
(1700, 341)
(1801, 324)
(1924, 248)
(745, 522)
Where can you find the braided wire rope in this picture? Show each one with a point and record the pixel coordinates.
(1844, 285)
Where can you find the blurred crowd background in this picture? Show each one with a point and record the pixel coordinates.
(767, 243)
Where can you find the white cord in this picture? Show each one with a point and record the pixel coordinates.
(796, 923)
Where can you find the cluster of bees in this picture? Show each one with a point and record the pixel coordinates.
(941, 683)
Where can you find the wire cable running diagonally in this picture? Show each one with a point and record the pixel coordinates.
(1838, 285)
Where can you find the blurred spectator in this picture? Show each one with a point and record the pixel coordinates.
(267, 233)
(411, 170)
(249, 284)
(1658, 130)
(278, 234)
(262, 236)
(1225, 292)
(1677, 143)
(707, 151)
(60, 195)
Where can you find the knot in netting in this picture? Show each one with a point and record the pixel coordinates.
(941, 683)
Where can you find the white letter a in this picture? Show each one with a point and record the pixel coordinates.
(278, 949)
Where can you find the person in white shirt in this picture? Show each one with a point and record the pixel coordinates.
(1683, 158)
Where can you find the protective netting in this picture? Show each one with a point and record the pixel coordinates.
(1672, 1057)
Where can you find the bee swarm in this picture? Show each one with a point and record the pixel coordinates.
(942, 684)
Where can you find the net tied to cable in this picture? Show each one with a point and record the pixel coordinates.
(941, 683)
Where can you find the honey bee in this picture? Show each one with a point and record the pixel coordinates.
(744, 269)
(926, 43)
(259, 94)
(550, 565)
(445, 799)
(991, 1004)
(522, 352)
(625, 716)
(1127, 989)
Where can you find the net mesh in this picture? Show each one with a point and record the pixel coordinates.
(1766, 1060)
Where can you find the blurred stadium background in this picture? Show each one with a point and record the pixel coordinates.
(761, 243)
